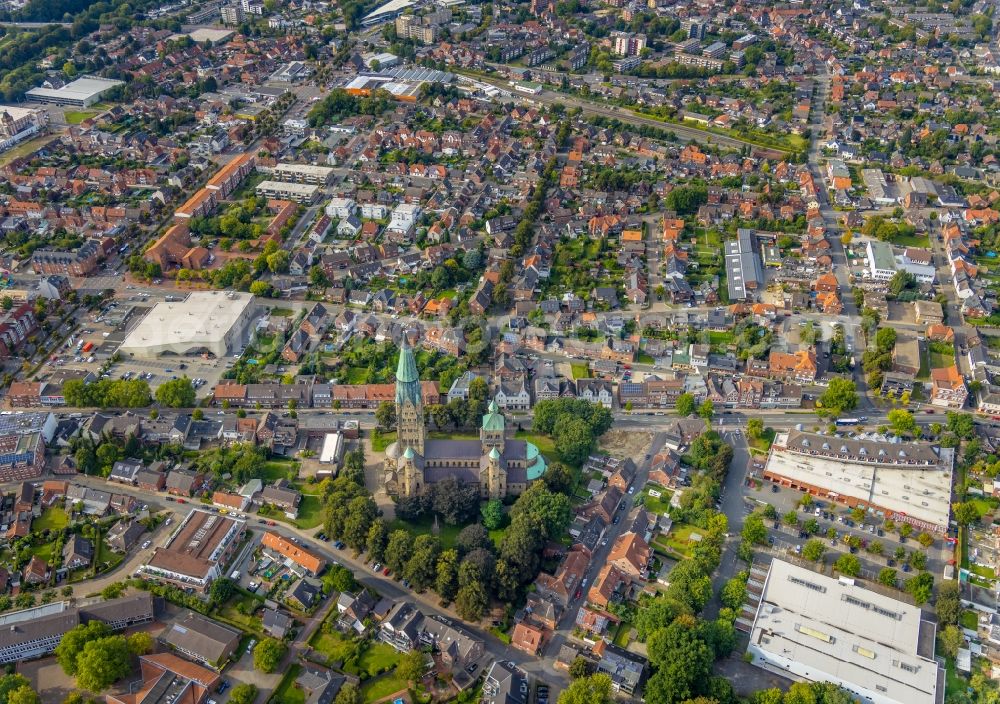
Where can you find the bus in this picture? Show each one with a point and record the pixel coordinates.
(841, 422)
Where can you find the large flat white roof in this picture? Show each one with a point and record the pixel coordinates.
(204, 319)
(287, 187)
(922, 492)
(80, 89)
(389, 8)
(839, 631)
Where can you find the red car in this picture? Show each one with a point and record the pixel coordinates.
(270, 523)
(386, 571)
(181, 501)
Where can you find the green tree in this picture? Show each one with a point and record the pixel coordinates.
(950, 639)
(399, 550)
(685, 405)
(574, 439)
(948, 603)
(341, 579)
(902, 421)
(349, 694)
(421, 569)
(176, 393)
(446, 582)
(580, 667)
(493, 515)
(139, 643)
(11, 683)
(244, 693)
(965, 513)
(385, 415)
(706, 410)
(734, 592)
(102, 663)
(920, 587)
(813, 550)
(925, 539)
(24, 695)
(471, 601)
(754, 531)
(412, 666)
(73, 641)
(841, 395)
(222, 590)
(267, 655)
(848, 564)
(592, 689)
(755, 427)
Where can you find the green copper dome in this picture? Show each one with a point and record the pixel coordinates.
(494, 454)
(409, 453)
(407, 378)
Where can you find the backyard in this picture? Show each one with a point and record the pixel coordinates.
(679, 541)
(657, 504)
(52, 518)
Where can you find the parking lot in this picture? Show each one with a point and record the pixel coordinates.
(836, 527)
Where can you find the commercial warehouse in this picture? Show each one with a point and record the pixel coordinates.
(215, 322)
(744, 270)
(815, 628)
(908, 482)
(81, 93)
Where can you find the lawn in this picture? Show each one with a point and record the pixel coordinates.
(380, 441)
(544, 443)
(955, 683)
(356, 375)
(720, 339)
(106, 555)
(678, 539)
(282, 312)
(25, 148)
(982, 506)
(378, 658)
(939, 361)
(621, 638)
(310, 511)
(447, 533)
(51, 519)
(969, 620)
(333, 645)
(646, 358)
(580, 370)
(763, 443)
(912, 241)
(231, 613)
(656, 504)
(75, 117)
(287, 692)
(373, 690)
(277, 469)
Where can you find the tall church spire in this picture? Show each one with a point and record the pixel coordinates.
(409, 402)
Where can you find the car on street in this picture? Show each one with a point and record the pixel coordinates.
(339, 545)
(377, 567)
(146, 545)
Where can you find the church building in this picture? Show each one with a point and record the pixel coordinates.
(501, 466)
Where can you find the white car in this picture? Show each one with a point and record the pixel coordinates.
(146, 544)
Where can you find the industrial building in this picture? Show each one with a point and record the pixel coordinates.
(81, 93)
(215, 322)
(744, 269)
(907, 482)
(815, 628)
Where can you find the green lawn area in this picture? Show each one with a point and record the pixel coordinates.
(984, 572)
(356, 375)
(277, 469)
(913, 241)
(287, 693)
(282, 312)
(939, 360)
(373, 690)
(447, 533)
(25, 148)
(75, 117)
(544, 443)
(656, 504)
(580, 370)
(955, 683)
(380, 441)
(333, 645)
(982, 505)
(646, 359)
(763, 443)
(106, 555)
(925, 365)
(621, 638)
(53, 518)
(310, 511)
(230, 613)
(969, 620)
(719, 339)
(678, 540)
(379, 657)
